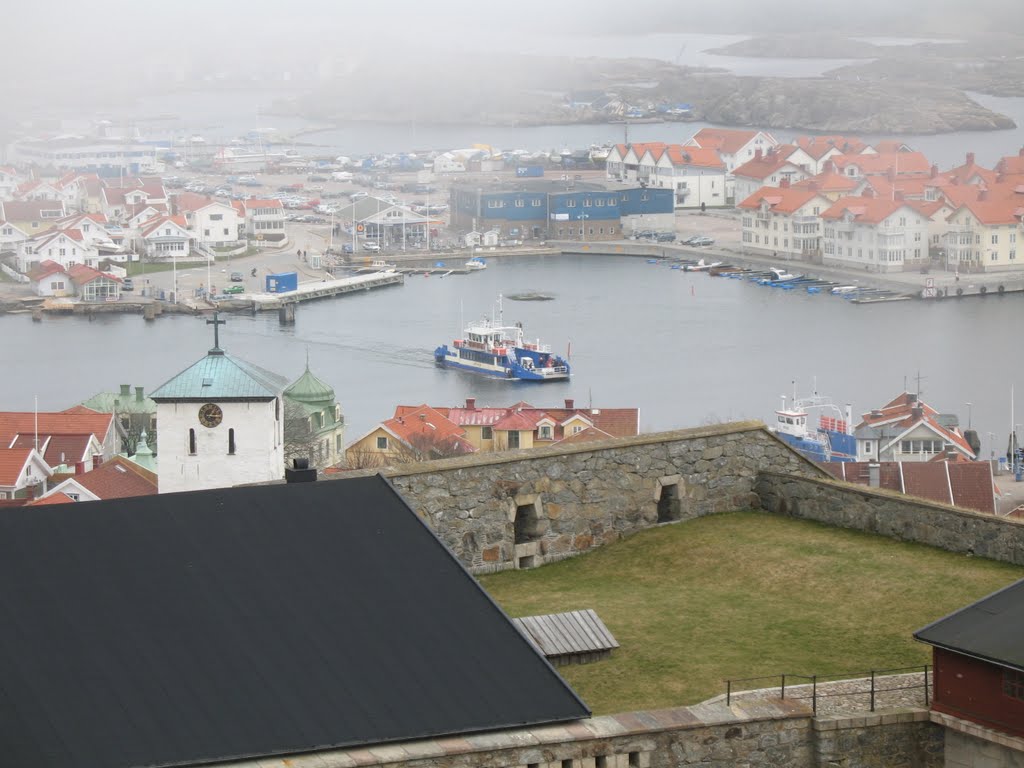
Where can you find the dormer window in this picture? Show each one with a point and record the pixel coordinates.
(545, 432)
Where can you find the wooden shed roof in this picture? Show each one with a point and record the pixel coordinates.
(563, 634)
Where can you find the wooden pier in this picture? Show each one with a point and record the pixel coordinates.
(262, 302)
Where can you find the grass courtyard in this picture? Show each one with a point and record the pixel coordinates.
(746, 594)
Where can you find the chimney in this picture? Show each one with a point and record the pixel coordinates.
(830, 167)
(897, 195)
(934, 173)
(758, 154)
(784, 184)
(891, 174)
(983, 196)
(1020, 152)
(299, 472)
(868, 192)
(138, 394)
(970, 158)
(126, 390)
(570, 404)
(876, 414)
(30, 492)
(97, 459)
(911, 397)
(470, 403)
(874, 475)
(79, 467)
(917, 412)
(423, 417)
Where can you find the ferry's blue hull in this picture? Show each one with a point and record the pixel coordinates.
(840, 447)
(502, 367)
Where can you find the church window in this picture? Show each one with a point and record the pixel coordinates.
(231, 441)
(192, 442)
(382, 443)
(277, 409)
(337, 443)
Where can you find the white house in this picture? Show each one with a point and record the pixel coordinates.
(778, 165)
(93, 285)
(626, 159)
(66, 247)
(10, 180)
(264, 219)
(983, 234)
(697, 176)
(10, 236)
(48, 278)
(877, 234)
(22, 473)
(214, 224)
(819, 149)
(164, 237)
(735, 146)
(785, 221)
(907, 429)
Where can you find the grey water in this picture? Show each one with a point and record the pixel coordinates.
(685, 348)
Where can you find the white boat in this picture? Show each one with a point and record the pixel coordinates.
(476, 263)
(839, 290)
(700, 266)
(781, 275)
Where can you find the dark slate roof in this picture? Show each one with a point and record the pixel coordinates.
(989, 629)
(219, 376)
(246, 622)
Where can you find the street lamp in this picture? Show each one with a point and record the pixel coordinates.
(968, 414)
(583, 226)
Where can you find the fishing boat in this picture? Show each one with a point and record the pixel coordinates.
(490, 348)
(830, 440)
(476, 263)
(700, 266)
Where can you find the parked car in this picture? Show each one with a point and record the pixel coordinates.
(665, 237)
(644, 235)
(700, 241)
(371, 247)
(127, 284)
(234, 288)
(347, 248)
(691, 238)
(236, 277)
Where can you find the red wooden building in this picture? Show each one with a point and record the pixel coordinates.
(978, 657)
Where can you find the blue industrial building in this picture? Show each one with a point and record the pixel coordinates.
(548, 210)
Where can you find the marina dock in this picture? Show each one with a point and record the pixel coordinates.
(311, 291)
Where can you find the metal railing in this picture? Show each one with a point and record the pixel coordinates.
(871, 677)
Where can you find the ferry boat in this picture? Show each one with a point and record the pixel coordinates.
(831, 440)
(491, 349)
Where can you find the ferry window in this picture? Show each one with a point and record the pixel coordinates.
(570, 203)
(382, 443)
(587, 203)
(520, 203)
(486, 433)
(535, 202)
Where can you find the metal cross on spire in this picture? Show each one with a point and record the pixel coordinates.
(216, 323)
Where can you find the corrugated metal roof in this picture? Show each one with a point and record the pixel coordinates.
(219, 376)
(203, 627)
(563, 634)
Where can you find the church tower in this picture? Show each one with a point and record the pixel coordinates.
(221, 423)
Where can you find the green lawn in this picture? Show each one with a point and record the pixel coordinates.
(746, 594)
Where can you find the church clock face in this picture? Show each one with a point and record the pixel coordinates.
(210, 415)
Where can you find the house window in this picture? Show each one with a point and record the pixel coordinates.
(73, 496)
(486, 433)
(867, 446)
(382, 443)
(1013, 683)
(545, 432)
(216, 217)
(191, 442)
(231, 442)
(577, 428)
(513, 439)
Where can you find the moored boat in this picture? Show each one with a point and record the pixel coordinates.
(476, 263)
(490, 348)
(831, 440)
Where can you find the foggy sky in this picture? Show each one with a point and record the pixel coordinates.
(68, 52)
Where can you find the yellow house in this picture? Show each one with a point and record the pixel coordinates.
(419, 434)
(983, 235)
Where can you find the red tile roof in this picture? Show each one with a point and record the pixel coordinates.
(964, 484)
(885, 162)
(780, 199)
(700, 157)
(829, 181)
(44, 269)
(818, 146)
(727, 140)
(82, 275)
(190, 201)
(768, 163)
(424, 427)
(865, 210)
(12, 464)
(74, 421)
(148, 227)
(52, 498)
(57, 449)
(899, 414)
(256, 203)
(995, 210)
(119, 478)
(28, 210)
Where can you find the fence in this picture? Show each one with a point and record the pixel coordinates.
(14, 274)
(872, 685)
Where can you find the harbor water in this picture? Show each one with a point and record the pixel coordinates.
(685, 348)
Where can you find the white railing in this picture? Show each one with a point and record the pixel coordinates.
(14, 274)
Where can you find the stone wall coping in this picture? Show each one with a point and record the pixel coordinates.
(887, 495)
(593, 446)
(977, 731)
(869, 720)
(628, 724)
